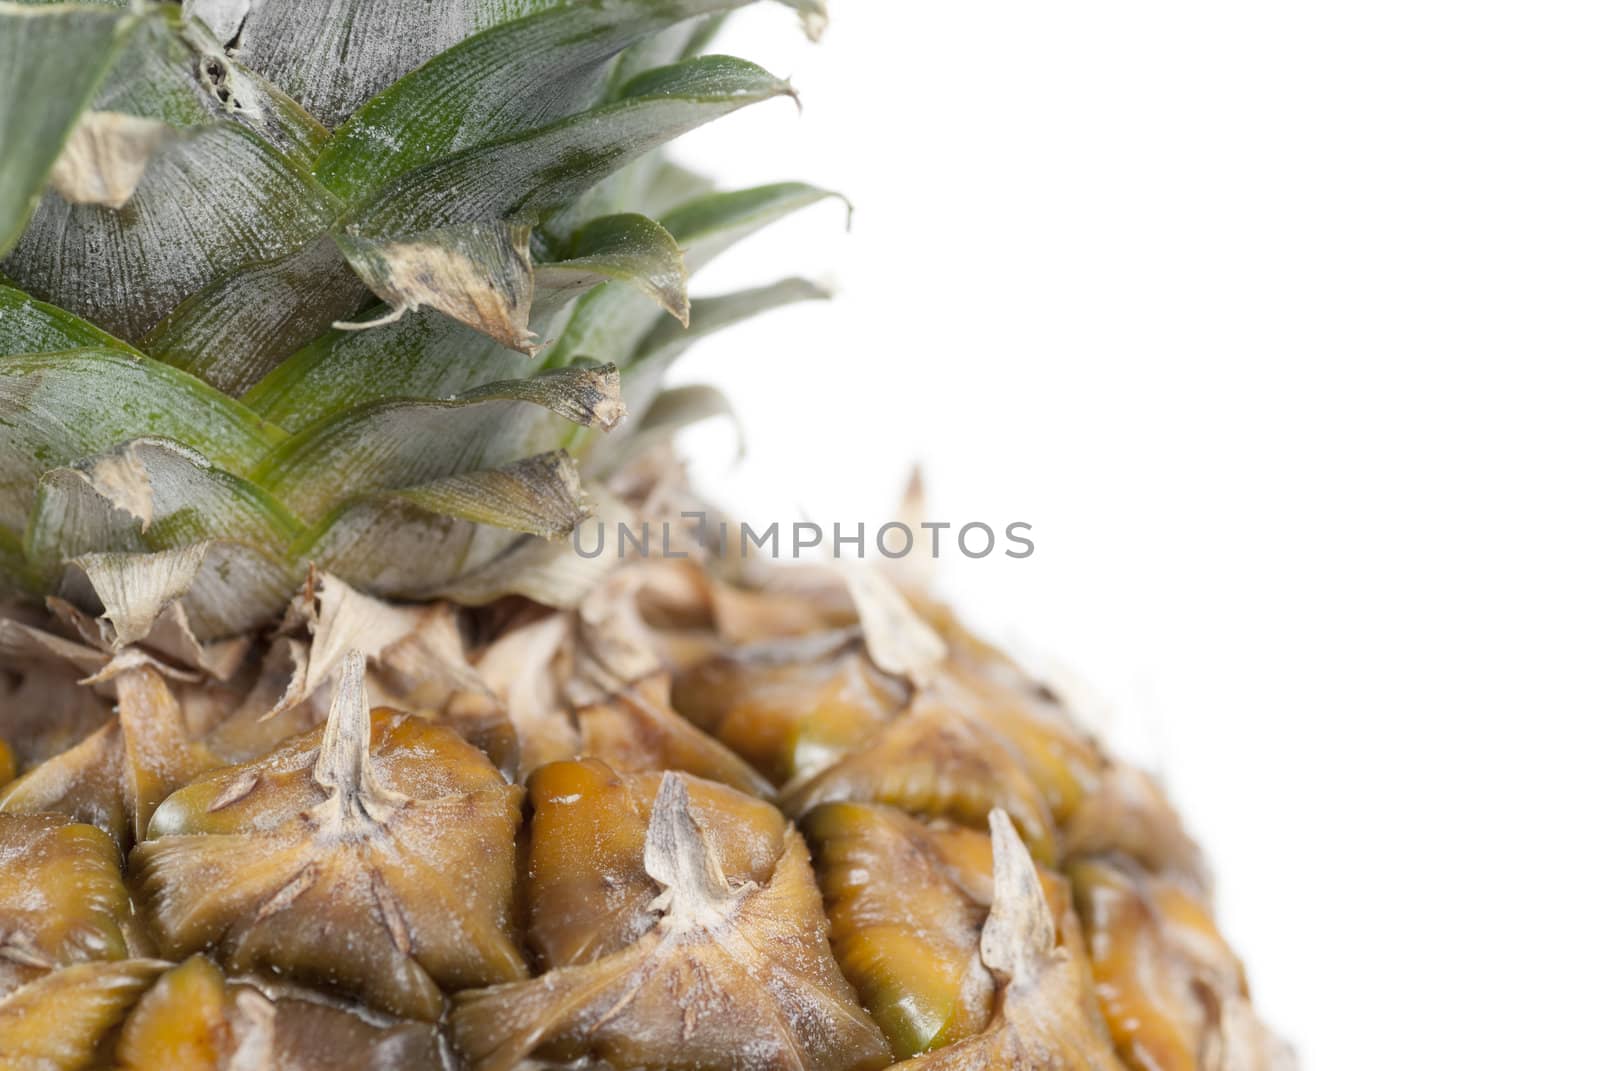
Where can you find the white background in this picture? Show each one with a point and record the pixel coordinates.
(1279, 322)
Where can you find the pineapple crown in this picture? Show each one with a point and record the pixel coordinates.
(366, 285)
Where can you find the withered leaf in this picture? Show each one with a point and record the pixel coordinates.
(105, 157)
(898, 640)
(479, 274)
(136, 587)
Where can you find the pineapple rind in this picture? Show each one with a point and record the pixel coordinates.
(181, 472)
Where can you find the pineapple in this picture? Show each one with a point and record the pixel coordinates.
(321, 746)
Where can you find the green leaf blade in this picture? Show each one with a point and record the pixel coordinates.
(527, 176)
(397, 444)
(52, 59)
(213, 200)
(58, 407)
(513, 77)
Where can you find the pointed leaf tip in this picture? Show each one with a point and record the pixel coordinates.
(540, 496)
(344, 766)
(898, 640)
(679, 856)
(1019, 931)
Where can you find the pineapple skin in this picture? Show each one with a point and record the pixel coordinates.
(319, 747)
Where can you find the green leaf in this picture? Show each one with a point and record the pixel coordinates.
(429, 356)
(387, 546)
(403, 542)
(179, 501)
(609, 323)
(656, 350)
(672, 185)
(708, 226)
(52, 58)
(28, 325)
(395, 444)
(17, 578)
(176, 72)
(631, 249)
(537, 496)
(672, 44)
(58, 407)
(528, 175)
(550, 572)
(215, 199)
(149, 494)
(426, 355)
(513, 78)
(335, 56)
(242, 326)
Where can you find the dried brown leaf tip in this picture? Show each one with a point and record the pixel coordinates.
(733, 973)
(479, 274)
(361, 829)
(115, 777)
(1174, 995)
(898, 640)
(137, 588)
(418, 663)
(62, 901)
(105, 158)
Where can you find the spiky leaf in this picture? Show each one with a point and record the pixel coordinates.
(512, 78)
(527, 175)
(51, 61)
(397, 444)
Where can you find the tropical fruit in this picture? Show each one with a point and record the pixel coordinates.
(324, 745)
